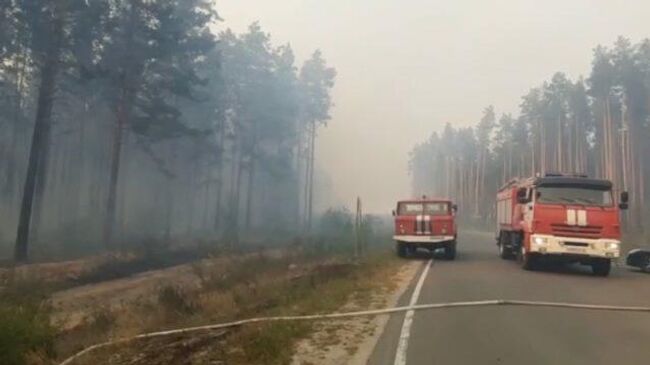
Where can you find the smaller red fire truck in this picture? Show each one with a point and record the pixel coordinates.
(425, 223)
(565, 217)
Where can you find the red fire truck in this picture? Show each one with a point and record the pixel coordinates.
(425, 223)
(565, 217)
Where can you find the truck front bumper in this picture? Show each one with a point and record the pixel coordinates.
(590, 247)
(422, 239)
(426, 242)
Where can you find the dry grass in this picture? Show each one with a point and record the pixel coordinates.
(26, 336)
(246, 286)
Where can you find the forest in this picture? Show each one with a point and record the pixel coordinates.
(125, 120)
(597, 125)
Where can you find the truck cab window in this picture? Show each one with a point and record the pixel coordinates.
(574, 195)
(436, 208)
(410, 209)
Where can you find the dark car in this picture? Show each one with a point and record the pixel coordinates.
(639, 258)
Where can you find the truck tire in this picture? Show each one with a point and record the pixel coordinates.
(504, 251)
(402, 250)
(601, 267)
(450, 251)
(411, 250)
(526, 260)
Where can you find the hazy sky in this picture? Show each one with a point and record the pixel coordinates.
(407, 67)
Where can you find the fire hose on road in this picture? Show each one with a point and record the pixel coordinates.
(386, 311)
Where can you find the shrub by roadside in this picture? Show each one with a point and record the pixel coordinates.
(26, 335)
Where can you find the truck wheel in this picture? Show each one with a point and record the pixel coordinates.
(526, 260)
(411, 250)
(401, 250)
(504, 252)
(601, 267)
(450, 251)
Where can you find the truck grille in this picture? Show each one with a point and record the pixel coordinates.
(565, 230)
(576, 244)
(423, 227)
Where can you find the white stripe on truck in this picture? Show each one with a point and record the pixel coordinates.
(571, 217)
(582, 218)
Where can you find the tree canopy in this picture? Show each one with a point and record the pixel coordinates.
(596, 126)
(130, 118)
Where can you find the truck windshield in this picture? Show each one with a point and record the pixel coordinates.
(570, 195)
(436, 208)
(426, 208)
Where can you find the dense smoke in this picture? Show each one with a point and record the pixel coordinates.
(127, 120)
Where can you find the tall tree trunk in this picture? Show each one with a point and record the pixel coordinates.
(220, 177)
(10, 186)
(306, 182)
(190, 198)
(298, 166)
(312, 158)
(207, 195)
(559, 158)
(249, 192)
(542, 150)
(252, 159)
(218, 203)
(169, 209)
(78, 160)
(10, 172)
(606, 131)
(121, 213)
(477, 182)
(48, 74)
(237, 198)
(116, 156)
(533, 163)
(41, 183)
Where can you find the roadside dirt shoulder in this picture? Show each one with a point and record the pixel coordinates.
(352, 341)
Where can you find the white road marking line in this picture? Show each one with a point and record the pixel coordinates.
(400, 355)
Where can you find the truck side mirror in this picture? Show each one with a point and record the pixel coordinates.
(394, 213)
(522, 196)
(454, 208)
(625, 197)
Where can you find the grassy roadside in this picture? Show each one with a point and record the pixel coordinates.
(26, 334)
(152, 286)
(253, 286)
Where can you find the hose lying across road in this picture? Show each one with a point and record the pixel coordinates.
(482, 303)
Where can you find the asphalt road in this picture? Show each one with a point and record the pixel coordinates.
(520, 335)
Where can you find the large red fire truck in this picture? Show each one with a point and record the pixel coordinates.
(565, 217)
(425, 223)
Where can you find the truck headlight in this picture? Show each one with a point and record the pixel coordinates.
(613, 246)
(540, 241)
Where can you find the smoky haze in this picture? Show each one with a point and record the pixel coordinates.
(407, 67)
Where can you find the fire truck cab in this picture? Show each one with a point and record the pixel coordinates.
(564, 217)
(425, 223)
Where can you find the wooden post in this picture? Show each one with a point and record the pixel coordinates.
(358, 226)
